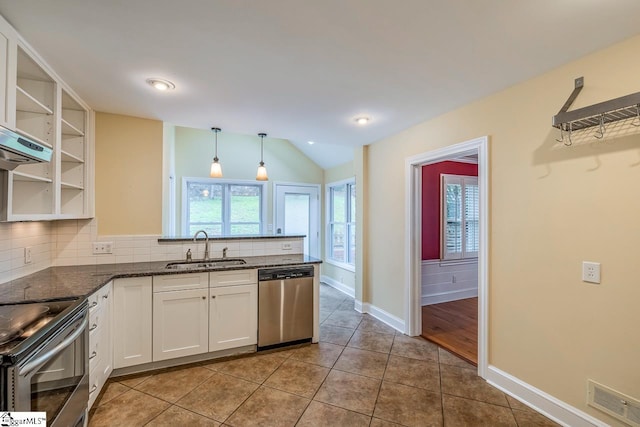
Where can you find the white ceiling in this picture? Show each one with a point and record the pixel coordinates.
(303, 70)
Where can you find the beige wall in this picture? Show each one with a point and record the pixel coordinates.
(239, 156)
(128, 175)
(340, 275)
(551, 207)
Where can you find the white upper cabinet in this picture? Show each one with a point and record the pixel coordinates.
(8, 45)
(36, 103)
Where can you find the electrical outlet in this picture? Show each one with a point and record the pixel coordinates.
(286, 246)
(102, 248)
(591, 272)
(27, 255)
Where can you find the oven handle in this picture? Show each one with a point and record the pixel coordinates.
(26, 369)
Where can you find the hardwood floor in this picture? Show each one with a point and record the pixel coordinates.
(454, 326)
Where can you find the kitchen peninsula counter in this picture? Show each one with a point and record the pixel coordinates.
(82, 280)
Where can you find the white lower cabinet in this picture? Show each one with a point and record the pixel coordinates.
(233, 316)
(180, 317)
(132, 322)
(100, 339)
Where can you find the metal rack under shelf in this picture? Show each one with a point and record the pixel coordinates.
(623, 108)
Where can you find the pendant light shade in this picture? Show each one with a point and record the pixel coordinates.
(216, 168)
(262, 171)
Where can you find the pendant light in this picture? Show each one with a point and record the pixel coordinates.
(262, 171)
(216, 168)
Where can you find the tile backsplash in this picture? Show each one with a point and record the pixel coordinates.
(70, 242)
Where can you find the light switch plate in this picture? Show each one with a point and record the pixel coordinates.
(590, 272)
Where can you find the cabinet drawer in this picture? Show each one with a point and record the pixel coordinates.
(233, 277)
(95, 320)
(180, 282)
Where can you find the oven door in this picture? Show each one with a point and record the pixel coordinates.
(54, 378)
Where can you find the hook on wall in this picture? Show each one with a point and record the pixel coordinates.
(570, 142)
(636, 121)
(601, 129)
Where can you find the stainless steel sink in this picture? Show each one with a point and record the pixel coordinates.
(210, 263)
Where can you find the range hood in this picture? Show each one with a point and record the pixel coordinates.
(16, 150)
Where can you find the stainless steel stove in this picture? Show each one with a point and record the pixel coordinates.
(43, 359)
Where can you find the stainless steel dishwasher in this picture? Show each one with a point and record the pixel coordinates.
(285, 306)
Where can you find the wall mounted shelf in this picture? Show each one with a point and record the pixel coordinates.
(623, 108)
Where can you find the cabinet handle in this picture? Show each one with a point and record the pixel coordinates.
(204, 297)
(105, 296)
(94, 304)
(93, 327)
(213, 297)
(94, 354)
(94, 388)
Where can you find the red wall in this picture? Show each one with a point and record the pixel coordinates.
(431, 202)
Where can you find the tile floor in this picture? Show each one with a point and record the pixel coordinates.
(362, 373)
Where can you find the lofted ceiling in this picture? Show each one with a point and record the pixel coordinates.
(304, 70)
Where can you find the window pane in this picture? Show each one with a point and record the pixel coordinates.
(453, 238)
(338, 242)
(352, 203)
(211, 229)
(352, 243)
(245, 228)
(205, 208)
(454, 202)
(296, 216)
(338, 200)
(244, 207)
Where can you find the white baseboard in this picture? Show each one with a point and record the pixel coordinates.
(449, 296)
(388, 318)
(339, 286)
(551, 407)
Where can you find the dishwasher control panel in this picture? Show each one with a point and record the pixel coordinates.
(284, 273)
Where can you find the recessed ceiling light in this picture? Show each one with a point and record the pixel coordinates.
(310, 142)
(362, 120)
(161, 84)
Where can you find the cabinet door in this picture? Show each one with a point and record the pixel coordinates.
(8, 46)
(106, 298)
(233, 314)
(180, 323)
(132, 319)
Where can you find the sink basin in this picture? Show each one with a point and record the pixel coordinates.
(211, 263)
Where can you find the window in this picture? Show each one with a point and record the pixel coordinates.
(341, 222)
(222, 208)
(460, 215)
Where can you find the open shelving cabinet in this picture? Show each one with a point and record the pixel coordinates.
(47, 111)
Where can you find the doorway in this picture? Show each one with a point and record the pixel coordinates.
(297, 211)
(449, 263)
(413, 238)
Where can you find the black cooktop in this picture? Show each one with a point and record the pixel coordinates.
(23, 326)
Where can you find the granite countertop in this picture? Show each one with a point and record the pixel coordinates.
(83, 280)
(165, 239)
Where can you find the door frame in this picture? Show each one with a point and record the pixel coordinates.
(413, 238)
(318, 187)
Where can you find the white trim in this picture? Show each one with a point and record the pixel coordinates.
(449, 296)
(549, 406)
(339, 286)
(383, 316)
(357, 306)
(413, 237)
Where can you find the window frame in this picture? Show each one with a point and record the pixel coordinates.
(226, 210)
(350, 223)
(463, 181)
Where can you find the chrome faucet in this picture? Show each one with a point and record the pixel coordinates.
(206, 243)
(224, 252)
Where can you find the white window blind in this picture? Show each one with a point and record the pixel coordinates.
(460, 216)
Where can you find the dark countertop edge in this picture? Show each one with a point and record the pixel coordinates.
(166, 239)
(109, 276)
